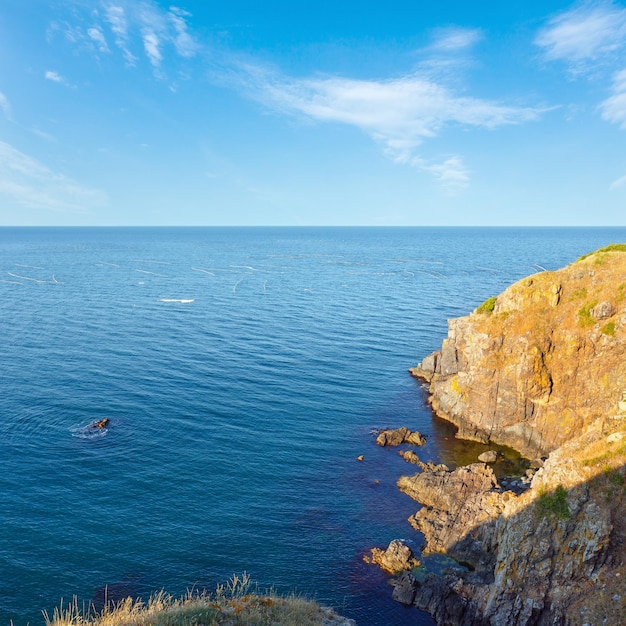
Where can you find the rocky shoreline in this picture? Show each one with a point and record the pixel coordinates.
(540, 368)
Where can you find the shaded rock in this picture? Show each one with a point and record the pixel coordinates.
(404, 588)
(396, 558)
(399, 436)
(460, 510)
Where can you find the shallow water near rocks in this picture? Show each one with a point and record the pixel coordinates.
(243, 371)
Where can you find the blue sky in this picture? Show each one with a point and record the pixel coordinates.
(138, 112)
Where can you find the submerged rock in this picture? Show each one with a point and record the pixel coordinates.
(491, 456)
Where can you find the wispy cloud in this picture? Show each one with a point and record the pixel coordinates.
(397, 113)
(588, 33)
(184, 42)
(613, 109)
(616, 184)
(116, 19)
(451, 173)
(455, 39)
(31, 184)
(5, 106)
(134, 28)
(53, 76)
(97, 36)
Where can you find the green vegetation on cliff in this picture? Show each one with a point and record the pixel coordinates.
(612, 247)
(487, 306)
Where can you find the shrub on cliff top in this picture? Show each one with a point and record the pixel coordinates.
(552, 504)
(487, 306)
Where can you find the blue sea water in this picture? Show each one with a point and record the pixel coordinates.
(243, 370)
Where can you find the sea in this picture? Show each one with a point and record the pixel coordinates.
(243, 371)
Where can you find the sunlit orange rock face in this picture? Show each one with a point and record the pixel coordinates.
(534, 367)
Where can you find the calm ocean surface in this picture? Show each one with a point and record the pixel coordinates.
(243, 371)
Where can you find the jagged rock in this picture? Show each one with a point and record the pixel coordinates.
(460, 508)
(491, 456)
(410, 457)
(396, 558)
(399, 436)
(330, 618)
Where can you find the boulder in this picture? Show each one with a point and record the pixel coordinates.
(602, 311)
(491, 456)
(396, 558)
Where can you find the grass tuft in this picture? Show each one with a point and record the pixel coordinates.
(608, 329)
(585, 319)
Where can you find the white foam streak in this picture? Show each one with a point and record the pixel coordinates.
(152, 273)
(201, 269)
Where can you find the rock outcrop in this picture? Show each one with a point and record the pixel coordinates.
(398, 436)
(540, 368)
(541, 362)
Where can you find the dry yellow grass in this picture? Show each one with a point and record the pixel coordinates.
(232, 604)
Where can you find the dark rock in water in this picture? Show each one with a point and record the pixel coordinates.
(398, 436)
(396, 558)
(404, 588)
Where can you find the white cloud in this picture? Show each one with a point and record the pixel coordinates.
(31, 184)
(5, 106)
(398, 113)
(53, 76)
(587, 33)
(97, 36)
(456, 39)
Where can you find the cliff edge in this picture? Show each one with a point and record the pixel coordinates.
(540, 368)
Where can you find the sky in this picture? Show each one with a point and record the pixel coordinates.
(395, 113)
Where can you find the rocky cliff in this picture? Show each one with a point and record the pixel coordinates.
(541, 368)
(537, 365)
